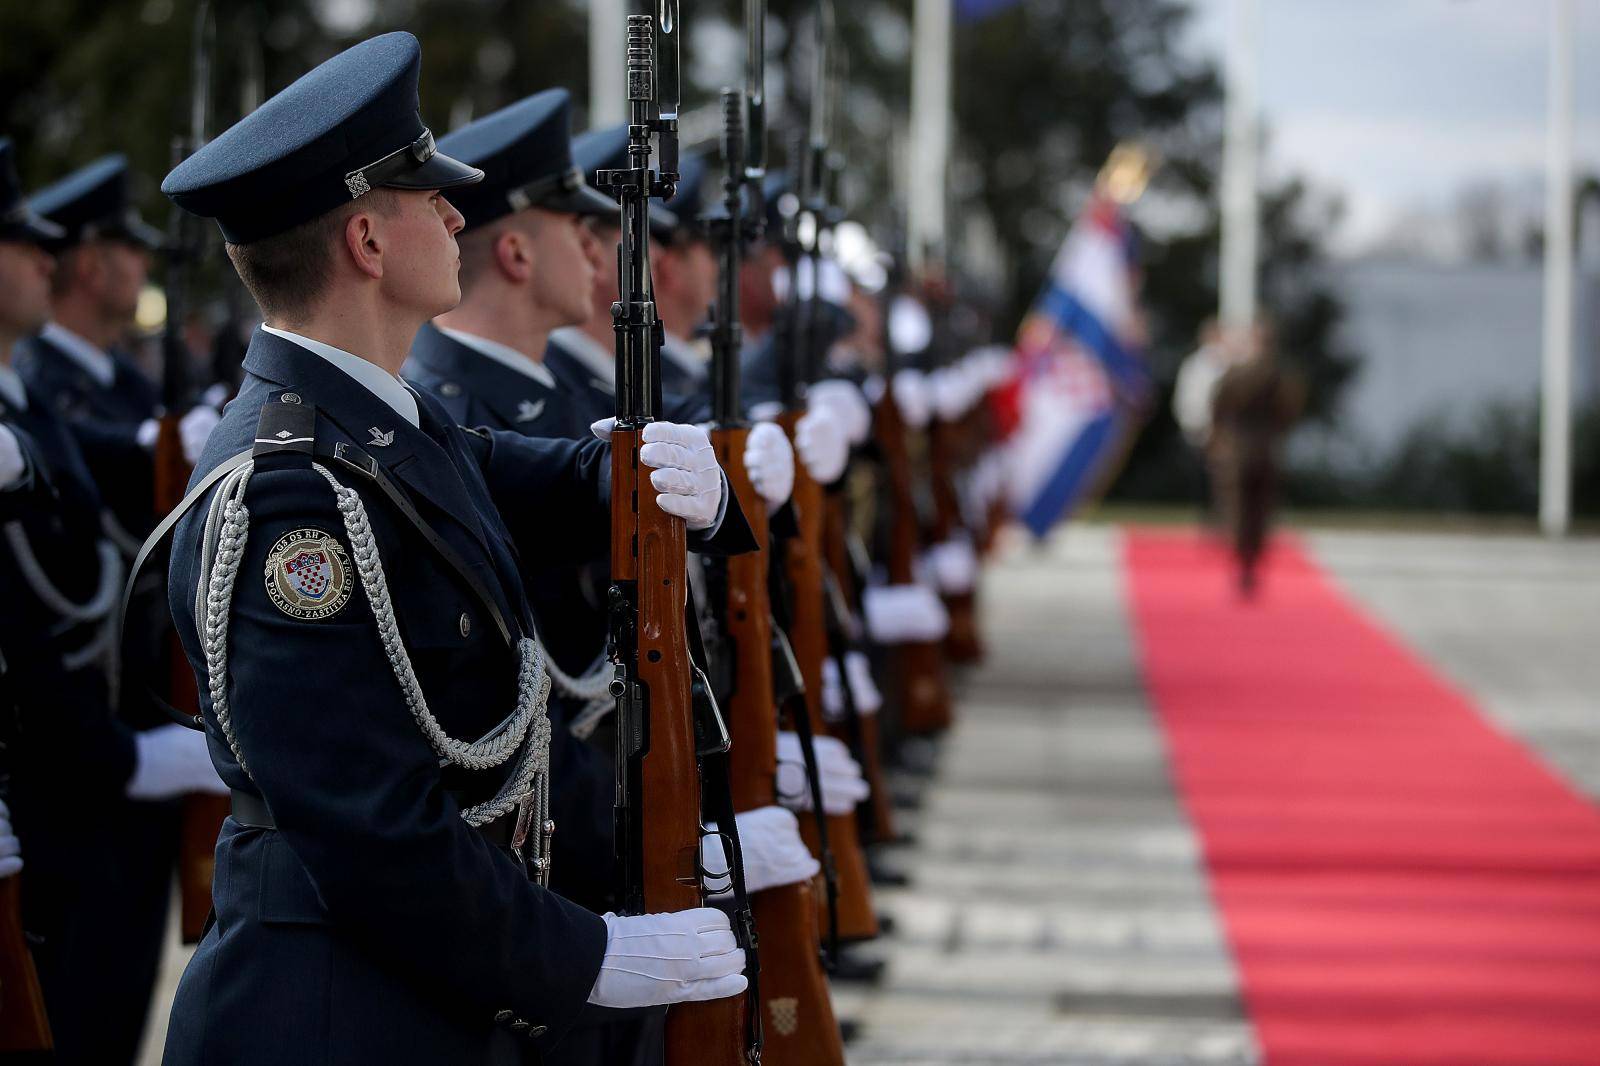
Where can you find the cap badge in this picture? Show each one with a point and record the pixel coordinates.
(357, 184)
(308, 574)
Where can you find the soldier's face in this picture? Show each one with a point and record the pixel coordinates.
(421, 262)
(701, 273)
(25, 271)
(603, 256)
(563, 266)
(119, 271)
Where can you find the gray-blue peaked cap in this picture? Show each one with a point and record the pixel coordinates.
(341, 130)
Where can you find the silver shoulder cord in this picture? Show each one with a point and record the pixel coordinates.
(527, 789)
(97, 608)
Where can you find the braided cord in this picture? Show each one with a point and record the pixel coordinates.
(529, 783)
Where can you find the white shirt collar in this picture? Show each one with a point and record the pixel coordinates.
(11, 389)
(600, 361)
(503, 354)
(376, 380)
(95, 363)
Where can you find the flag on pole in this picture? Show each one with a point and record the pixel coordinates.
(1079, 382)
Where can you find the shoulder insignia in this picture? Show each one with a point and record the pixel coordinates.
(527, 410)
(308, 574)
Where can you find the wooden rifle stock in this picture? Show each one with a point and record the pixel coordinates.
(918, 678)
(798, 1017)
(649, 550)
(24, 1025)
(809, 635)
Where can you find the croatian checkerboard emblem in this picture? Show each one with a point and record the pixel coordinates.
(785, 1014)
(308, 574)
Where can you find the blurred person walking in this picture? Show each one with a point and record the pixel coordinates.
(1192, 393)
(1253, 405)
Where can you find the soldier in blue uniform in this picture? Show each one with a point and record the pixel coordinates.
(77, 362)
(348, 592)
(72, 762)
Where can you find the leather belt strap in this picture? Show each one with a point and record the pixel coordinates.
(251, 810)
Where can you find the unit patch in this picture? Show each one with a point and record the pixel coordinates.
(308, 574)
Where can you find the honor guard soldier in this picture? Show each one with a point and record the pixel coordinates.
(347, 593)
(77, 362)
(71, 761)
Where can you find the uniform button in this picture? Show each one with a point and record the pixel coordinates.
(466, 625)
(503, 1016)
(290, 397)
(518, 1026)
(538, 1031)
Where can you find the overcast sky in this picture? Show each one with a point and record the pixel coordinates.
(1396, 103)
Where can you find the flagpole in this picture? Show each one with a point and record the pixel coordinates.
(930, 128)
(1237, 275)
(608, 21)
(1555, 420)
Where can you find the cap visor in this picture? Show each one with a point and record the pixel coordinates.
(663, 223)
(584, 200)
(34, 229)
(439, 172)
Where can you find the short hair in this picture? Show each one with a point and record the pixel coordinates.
(288, 272)
(477, 245)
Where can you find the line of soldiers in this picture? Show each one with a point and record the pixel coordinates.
(389, 581)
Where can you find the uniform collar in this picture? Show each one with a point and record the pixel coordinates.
(595, 357)
(12, 392)
(94, 362)
(503, 354)
(376, 380)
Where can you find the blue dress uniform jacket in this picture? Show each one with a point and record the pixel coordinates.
(105, 419)
(68, 757)
(478, 391)
(372, 925)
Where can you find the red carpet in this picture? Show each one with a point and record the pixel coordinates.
(1400, 881)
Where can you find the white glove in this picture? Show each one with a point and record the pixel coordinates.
(820, 440)
(863, 689)
(680, 957)
(954, 564)
(12, 464)
(774, 854)
(194, 429)
(685, 471)
(843, 785)
(145, 436)
(904, 614)
(769, 460)
(172, 761)
(949, 388)
(844, 401)
(10, 846)
(911, 396)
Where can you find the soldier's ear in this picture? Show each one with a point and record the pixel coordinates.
(513, 255)
(363, 244)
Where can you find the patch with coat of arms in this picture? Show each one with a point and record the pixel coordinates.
(308, 574)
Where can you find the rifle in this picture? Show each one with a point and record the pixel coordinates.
(24, 1024)
(963, 643)
(803, 552)
(661, 745)
(917, 668)
(794, 995)
(201, 816)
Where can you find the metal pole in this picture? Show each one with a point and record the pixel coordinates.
(930, 128)
(608, 103)
(1555, 422)
(1237, 281)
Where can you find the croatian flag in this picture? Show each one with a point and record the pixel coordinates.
(1079, 381)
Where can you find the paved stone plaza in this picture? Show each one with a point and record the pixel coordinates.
(1058, 912)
